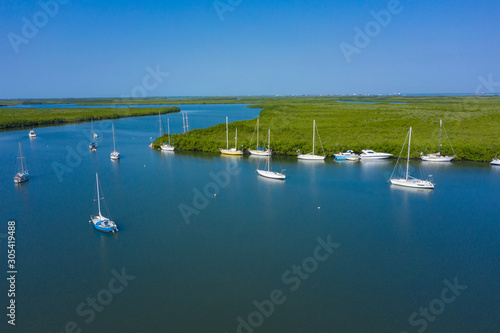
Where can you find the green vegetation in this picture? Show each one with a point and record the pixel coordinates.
(471, 122)
(30, 117)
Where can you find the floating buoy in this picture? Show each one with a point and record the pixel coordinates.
(90, 221)
(215, 195)
(319, 207)
(144, 165)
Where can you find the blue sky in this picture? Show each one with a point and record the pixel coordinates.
(108, 48)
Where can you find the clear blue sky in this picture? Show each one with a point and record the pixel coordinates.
(103, 48)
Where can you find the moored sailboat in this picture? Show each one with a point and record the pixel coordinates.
(168, 146)
(231, 151)
(23, 175)
(437, 157)
(115, 155)
(407, 180)
(100, 222)
(269, 173)
(312, 156)
(259, 151)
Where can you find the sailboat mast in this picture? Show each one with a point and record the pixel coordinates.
(440, 125)
(314, 133)
(113, 127)
(227, 135)
(269, 149)
(168, 126)
(408, 159)
(187, 123)
(236, 140)
(98, 198)
(257, 133)
(159, 116)
(21, 153)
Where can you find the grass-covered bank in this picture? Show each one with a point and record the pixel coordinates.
(30, 117)
(471, 122)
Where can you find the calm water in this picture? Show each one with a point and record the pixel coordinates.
(394, 249)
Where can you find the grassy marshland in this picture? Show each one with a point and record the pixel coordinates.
(472, 124)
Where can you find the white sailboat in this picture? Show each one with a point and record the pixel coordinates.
(23, 174)
(93, 145)
(231, 151)
(259, 151)
(436, 157)
(94, 134)
(268, 173)
(114, 154)
(100, 222)
(311, 155)
(167, 146)
(407, 180)
(32, 134)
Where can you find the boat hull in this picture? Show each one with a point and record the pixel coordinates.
(21, 178)
(259, 152)
(114, 155)
(495, 162)
(103, 224)
(372, 155)
(346, 156)
(167, 148)
(311, 157)
(231, 152)
(375, 156)
(437, 158)
(413, 183)
(271, 174)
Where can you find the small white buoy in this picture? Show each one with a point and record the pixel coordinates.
(90, 221)
(215, 195)
(144, 165)
(319, 207)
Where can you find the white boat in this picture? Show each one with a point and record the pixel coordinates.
(23, 174)
(437, 157)
(311, 155)
(114, 154)
(407, 180)
(348, 155)
(94, 134)
(167, 146)
(368, 154)
(100, 222)
(259, 151)
(231, 151)
(268, 173)
(495, 161)
(32, 134)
